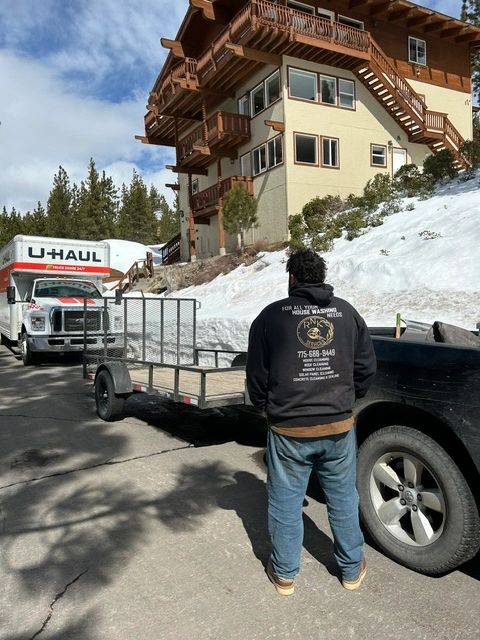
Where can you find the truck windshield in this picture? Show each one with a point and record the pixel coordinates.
(65, 289)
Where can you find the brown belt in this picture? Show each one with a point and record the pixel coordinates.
(315, 431)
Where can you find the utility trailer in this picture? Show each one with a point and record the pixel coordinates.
(158, 355)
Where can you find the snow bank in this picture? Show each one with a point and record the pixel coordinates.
(423, 263)
(124, 253)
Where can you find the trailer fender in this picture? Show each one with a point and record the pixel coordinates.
(120, 376)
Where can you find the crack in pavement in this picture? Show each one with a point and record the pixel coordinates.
(58, 596)
(23, 415)
(107, 463)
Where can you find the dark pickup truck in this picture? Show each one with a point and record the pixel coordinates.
(419, 449)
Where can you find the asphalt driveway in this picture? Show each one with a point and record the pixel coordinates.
(155, 528)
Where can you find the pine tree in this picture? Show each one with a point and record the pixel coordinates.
(239, 213)
(76, 223)
(95, 206)
(4, 230)
(137, 221)
(471, 13)
(168, 218)
(59, 221)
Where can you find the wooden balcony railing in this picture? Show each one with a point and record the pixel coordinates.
(210, 198)
(232, 128)
(265, 14)
(298, 22)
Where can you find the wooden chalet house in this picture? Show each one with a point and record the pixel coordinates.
(297, 99)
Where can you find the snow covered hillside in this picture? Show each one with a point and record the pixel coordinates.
(423, 263)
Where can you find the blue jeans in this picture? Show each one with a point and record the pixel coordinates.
(290, 463)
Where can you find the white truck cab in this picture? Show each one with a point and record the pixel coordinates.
(45, 286)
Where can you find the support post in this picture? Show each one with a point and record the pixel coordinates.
(204, 123)
(191, 223)
(221, 230)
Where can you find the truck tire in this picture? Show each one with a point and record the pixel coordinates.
(414, 501)
(110, 407)
(28, 358)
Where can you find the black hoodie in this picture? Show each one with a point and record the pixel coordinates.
(309, 357)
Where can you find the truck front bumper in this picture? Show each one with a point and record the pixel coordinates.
(66, 344)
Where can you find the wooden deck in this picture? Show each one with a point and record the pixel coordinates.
(221, 388)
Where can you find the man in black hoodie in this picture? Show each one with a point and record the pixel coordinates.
(309, 357)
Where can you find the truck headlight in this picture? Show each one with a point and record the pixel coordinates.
(38, 323)
(117, 323)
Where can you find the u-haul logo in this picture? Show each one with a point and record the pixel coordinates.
(60, 254)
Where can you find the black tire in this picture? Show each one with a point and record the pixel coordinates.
(437, 526)
(28, 358)
(240, 360)
(110, 407)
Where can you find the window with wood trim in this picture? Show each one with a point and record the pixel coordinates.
(194, 186)
(328, 90)
(262, 96)
(378, 155)
(257, 97)
(275, 151)
(326, 13)
(330, 152)
(332, 90)
(244, 105)
(417, 50)
(272, 88)
(351, 22)
(346, 93)
(299, 6)
(306, 148)
(302, 84)
(264, 157)
(259, 160)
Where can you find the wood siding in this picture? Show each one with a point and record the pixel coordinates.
(448, 62)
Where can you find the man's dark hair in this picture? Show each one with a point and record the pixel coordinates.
(307, 266)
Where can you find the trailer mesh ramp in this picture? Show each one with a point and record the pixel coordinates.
(160, 330)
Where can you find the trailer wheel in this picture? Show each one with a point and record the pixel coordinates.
(110, 407)
(28, 358)
(414, 501)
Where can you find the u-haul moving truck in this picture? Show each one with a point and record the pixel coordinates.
(52, 278)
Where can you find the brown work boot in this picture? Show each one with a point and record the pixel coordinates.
(351, 585)
(284, 587)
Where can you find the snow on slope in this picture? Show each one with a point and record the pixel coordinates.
(124, 253)
(390, 269)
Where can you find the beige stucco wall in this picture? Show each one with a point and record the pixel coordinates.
(269, 187)
(355, 129)
(456, 104)
(284, 190)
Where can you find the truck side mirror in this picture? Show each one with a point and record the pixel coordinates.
(118, 296)
(11, 295)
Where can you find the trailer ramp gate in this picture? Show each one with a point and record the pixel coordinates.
(155, 339)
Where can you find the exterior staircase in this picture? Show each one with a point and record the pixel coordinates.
(406, 107)
(141, 269)
(171, 251)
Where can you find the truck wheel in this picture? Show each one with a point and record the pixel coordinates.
(28, 358)
(414, 501)
(110, 407)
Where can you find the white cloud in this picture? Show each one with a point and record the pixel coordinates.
(44, 125)
(92, 37)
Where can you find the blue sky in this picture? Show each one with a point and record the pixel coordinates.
(74, 81)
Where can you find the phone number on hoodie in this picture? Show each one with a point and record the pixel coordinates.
(325, 353)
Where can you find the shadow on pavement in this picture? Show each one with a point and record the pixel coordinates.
(200, 427)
